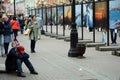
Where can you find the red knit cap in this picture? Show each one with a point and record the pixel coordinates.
(21, 49)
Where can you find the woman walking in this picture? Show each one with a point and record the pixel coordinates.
(35, 30)
(15, 27)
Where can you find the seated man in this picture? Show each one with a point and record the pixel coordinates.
(14, 61)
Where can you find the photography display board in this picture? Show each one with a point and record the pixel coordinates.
(114, 14)
(101, 15)
(49, 15)
(88, 15)
(67, 15)
(78, 15)
(60, 15)
(44, 16)
(53, 15)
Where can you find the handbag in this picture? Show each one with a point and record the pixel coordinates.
(27, 31)
(15, 43)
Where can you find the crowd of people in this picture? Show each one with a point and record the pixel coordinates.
(9, 28)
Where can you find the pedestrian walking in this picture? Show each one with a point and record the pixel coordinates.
(1, 36)
(15, 27)
(35, 30)
(14, 60)
(21, 22)
(113, 31)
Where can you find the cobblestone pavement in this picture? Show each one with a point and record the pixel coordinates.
(52, 62)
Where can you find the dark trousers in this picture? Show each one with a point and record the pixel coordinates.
(6, 45)
(113, 35)
(32, 45)
(15, 34)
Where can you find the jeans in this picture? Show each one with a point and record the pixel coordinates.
(27, 63)
(21, 30)
(1, 44)
(33, 45)
(113, 35)
(104, 40)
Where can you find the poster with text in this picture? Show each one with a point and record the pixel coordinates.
(114, 11)
(88, 15)
(67, 15)
(60, 15)
(78, 15)
(101, 15)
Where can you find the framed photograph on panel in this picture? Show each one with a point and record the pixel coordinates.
(114, 14)
(101, 15)
(67, 15)
(78, 15)
(60, 15)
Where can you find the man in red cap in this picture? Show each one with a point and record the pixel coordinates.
(14, 60)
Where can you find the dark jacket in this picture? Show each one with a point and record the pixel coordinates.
(7, 28)
(1, 28)
(13, 55)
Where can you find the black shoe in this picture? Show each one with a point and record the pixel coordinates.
(33, 52)
(21, 74)
(34, 72)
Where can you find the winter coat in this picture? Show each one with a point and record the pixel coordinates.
(35, 30)
(15, 24)
(7, 32)
(7, 28)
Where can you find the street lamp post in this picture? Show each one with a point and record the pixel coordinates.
(51, 19)
(63, 20)
(14, 9)
(73, 52)
(56, 20)
(46, 17)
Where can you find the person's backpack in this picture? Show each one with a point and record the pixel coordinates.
(1, 28)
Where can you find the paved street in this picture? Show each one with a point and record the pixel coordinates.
(52, 62)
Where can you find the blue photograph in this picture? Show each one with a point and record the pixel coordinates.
(60, 15)
(88, 15)
(114, 11)
(78, 15)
